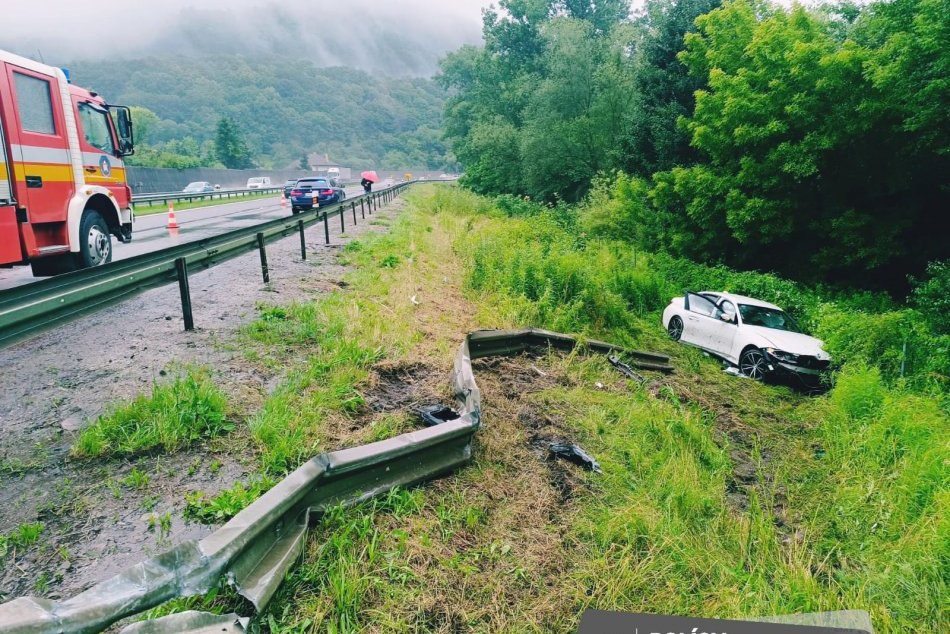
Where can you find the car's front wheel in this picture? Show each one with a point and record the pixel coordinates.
(675, 328)
(753, 364)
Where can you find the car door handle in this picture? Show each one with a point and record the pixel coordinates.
(34, 182)
(692, 319)
(91, 170)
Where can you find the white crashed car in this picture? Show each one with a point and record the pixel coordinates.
(757, 337)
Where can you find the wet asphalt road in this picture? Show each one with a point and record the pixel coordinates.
(151, 234)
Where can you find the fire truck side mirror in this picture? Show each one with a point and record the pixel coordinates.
(126, 139)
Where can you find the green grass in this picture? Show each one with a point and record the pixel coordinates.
(188, 409)
(841, 501)
(25, 536)
(225, 505)
(159, 207)
(136, 479)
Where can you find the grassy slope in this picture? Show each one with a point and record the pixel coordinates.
(719, 496)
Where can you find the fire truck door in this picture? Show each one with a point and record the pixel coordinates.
(9, 231)
(42, 168)
(100, 164)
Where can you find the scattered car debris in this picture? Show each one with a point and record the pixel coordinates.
(626, 370)
(573, 453)
(433, 415)
(599, 385)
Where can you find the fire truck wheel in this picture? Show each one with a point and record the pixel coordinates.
(95, 242)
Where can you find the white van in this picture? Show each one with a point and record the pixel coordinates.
(258, 182)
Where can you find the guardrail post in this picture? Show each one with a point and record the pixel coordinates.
(181, 266)
(342, 220)
(353, 208)
(362, 211)
(326, 228)
(303, 241)
(363, 208)
(260, 246)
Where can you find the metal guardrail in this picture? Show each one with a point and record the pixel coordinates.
(256, 548)
(181, 196)
(29, 309)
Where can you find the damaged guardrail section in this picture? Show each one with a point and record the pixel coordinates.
(255, 549)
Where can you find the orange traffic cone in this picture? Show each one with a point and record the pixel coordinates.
(172, 223)
(283, 200)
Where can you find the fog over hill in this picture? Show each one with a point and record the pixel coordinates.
(401, 37)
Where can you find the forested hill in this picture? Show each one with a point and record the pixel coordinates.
(284, 107)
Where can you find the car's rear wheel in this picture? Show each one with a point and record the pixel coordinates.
(753, 364)
(675, 328)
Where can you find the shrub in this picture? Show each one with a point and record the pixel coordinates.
(898, 342)
(932, 296)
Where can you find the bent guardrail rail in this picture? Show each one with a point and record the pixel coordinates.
(257, 546)
(32, 308)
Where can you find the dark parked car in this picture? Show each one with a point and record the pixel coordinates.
(310, 192)
(288, 187)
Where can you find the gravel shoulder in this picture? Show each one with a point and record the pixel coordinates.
(94, 524)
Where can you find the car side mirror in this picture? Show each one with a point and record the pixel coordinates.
(729, 318)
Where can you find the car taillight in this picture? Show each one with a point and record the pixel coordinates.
(327, 192)
(296, 192)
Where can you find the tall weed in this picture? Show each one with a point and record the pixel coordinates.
(188, 409)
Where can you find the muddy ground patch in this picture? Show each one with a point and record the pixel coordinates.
(97, 518)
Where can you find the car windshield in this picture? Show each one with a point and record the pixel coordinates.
(196, 185)
(312, 184)
(767, 318)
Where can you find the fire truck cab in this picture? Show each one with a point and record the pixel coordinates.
(63, 191)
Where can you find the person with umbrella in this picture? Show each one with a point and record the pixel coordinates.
(369, 177)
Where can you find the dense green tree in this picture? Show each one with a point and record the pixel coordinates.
(229, 145)
(304, 162)
(807, 167)
(538, 109)
(810, 141)
(663, 88)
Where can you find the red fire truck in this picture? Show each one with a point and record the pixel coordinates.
(63, 192)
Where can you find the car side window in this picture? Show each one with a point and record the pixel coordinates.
(726, 308)
(701, 305)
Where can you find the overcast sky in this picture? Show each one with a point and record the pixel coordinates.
(330, 32)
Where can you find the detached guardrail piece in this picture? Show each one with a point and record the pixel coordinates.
(256, 548)
(493, 342)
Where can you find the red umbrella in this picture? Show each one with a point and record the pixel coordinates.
(370, 175)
